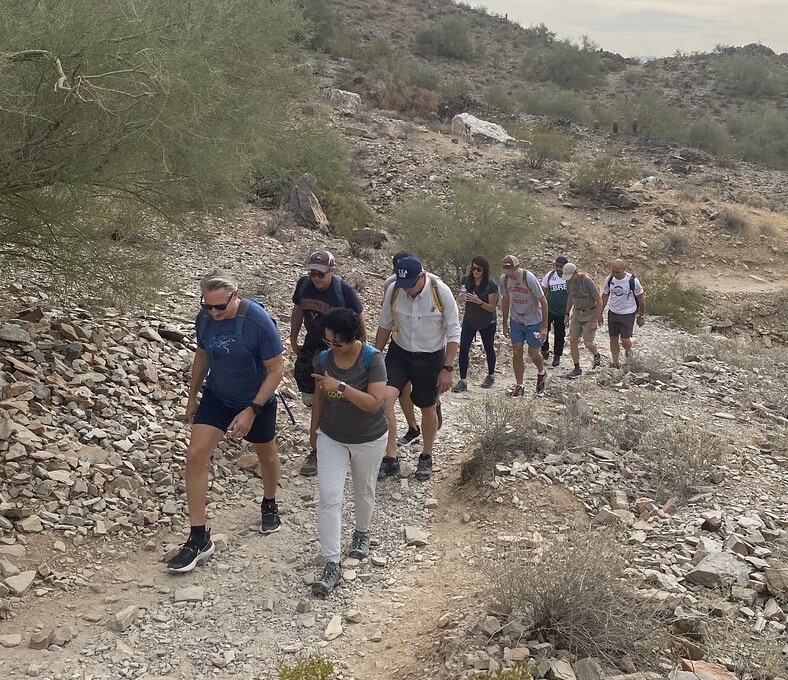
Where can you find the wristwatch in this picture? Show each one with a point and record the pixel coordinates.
(341, 387)
(448, 368)
(257, 408)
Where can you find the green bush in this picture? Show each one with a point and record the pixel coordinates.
(600, 175)
(564, 63)
(548, 144)
(381, 61)
(497, 98)
(761, 136)
(751, 75)
(412, 101)
(656, 118)
(313, 668)
(346, 211)
(449, 37)
(520, 671)
(553, 101)
(666, 297)
(709, 135)
(479, 220)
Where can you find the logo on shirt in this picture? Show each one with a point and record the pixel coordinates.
(334, 394)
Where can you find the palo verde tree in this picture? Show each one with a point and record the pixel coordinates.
(125, 122)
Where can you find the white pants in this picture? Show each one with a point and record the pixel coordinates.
(333, 460)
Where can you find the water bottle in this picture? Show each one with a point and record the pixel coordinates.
(463, 294)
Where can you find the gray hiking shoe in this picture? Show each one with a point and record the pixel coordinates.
(309, 466)
(575, 373)
(332, 574)
(461, 386)
(359, 545)
(489, 381)
(424, 468)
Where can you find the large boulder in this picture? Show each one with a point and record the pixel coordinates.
(347, 101)
(480, 131)
(304, 206)
(719, 569)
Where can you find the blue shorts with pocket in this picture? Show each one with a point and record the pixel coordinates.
(212, 411)
(520, 333)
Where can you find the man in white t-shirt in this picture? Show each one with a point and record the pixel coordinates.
(627, 306)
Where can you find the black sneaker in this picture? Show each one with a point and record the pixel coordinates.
(597, 361)
(440, 415)
(309, 466)
(556, 360)
(332, 574)
(389, 467)
(489, 381)
(270, 522)
(545, 354)
(424, 468)
(411, 435)
(359, 545)
(576, 373)
(191, 554)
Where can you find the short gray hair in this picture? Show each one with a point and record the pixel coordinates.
(216, 279)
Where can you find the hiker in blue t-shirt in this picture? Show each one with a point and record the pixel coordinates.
(239, 360)
(315, 296)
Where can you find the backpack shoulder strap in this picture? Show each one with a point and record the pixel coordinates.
(324, 359)
(436, 296)
(368, 351)
(240, 316)
(607, 283)
(338, 290)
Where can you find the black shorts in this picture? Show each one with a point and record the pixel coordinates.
(421, 369)
(621, 324)
(304, 368)
(212, 411)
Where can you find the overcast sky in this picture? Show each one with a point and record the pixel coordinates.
(655, 27)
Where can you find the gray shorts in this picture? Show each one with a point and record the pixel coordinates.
(621, 324)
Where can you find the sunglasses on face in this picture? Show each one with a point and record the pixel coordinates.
(220, 308)
(474, 268)
(332, 343)
(313, 273)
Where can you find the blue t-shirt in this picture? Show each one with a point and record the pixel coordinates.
(315, 304)
(236, 369)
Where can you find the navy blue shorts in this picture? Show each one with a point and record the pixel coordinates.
(212, 411)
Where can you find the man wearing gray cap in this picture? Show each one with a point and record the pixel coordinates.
(316, 294)
(583, 315)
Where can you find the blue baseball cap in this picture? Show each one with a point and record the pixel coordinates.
(408, 271)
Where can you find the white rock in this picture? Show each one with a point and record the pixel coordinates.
(11, 640)
(19, 584)
(480, 131)
(414, 536)
(334, 628)
(190, 594)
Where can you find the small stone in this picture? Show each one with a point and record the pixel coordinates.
(333, 629)
(190, 594)
(378, 561)
(414, 536)
(350, 563)
(589, 669)
(30, 524)
(715, 570)
(349, 575)
(13, 333)
(490, 627)
(11, 640)
(124, 618)
(19, 584)
(353, 616)
(304, 606)
(560, 669)
(618, 500)
(40, 639)
(8, 569)
(431, 503)
(61, 636)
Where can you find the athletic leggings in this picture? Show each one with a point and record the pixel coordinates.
(557, 322)
(488, 340)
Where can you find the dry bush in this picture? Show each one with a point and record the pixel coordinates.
(503, 428)
(579, 597)
(653, 366)
(275, 221)
(676, 244)
(680, 457)
(520, 671)
(407, 99)
(732, 221)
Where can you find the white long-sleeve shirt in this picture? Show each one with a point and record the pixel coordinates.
(420, 325)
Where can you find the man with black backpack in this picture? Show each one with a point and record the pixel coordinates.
(627, 306)
(315, 295)
(239, 360)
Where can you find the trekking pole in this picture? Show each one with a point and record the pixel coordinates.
(287, 408)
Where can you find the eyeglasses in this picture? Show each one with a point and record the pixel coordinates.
(474, 268)
(219, 308)
(313, 273)
(331, 343)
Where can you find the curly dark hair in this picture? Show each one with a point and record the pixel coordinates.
(344, 323)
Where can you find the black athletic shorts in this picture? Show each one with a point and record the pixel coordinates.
(421, 369)
(621, 324)
(212, 411)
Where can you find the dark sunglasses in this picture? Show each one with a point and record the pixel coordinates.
(220, 308)
(313, 273)
(331, 343)
(474, 268)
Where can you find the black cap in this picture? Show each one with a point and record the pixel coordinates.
(560, 261)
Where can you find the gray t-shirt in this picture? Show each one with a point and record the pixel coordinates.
(583, 291)
(343, 421)
(524, 292)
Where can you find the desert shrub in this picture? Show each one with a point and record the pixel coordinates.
(732, 221)
(380, 60)
(565, 63)
(326, 33)
(676, 243)
(679, 457)
(709, 135)
(579, 597)
(655, 117)
(346, 211)
(666, 297)
(761, 136)
(313, 668)
(478, 220)
(552, 101)
(449, 37)
(410, 100)
(520, 671)
(497, 98)
(751, 75)
(548, 144)
(501, 429)
(275, 221)
(600, 175)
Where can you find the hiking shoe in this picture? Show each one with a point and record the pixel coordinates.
(359, 545)
(614, 362)
(411, 435)
(556, 360)
(424, 468)
(488, 381)
(576, 373)
(545, 354)
(440, 415)
(191, 554)
(597, 361)
(461, 386)
(309, 466)
(541, 382)
(270, 522)
(332, 574)
(516, 391)
(389, 467)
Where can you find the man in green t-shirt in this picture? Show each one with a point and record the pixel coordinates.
(557, 294)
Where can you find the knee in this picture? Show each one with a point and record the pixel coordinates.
(196, 458)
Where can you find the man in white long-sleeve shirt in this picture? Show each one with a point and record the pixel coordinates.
(420, 314)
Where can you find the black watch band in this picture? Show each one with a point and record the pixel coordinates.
(257, 408)
(448, 368)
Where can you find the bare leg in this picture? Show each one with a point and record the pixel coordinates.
(591, 347)
(536, 356)
(270, 467)
(429, 426)
(390, 399)
(407, 407)
(518, 363)
(615, 350)
(574, 349)
(204, 440)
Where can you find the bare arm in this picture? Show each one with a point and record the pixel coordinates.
(243, 422)
(317, 414)
(296, 321)
(363, 320)
(382, 337)
(199, 371)
(370, 401)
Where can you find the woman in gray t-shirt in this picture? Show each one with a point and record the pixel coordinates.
(349, 430)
